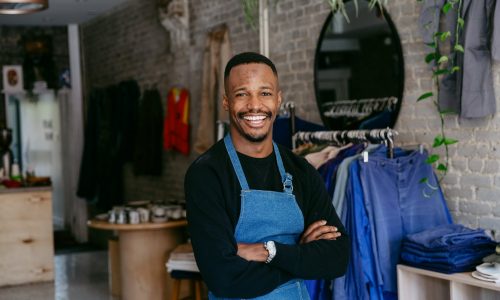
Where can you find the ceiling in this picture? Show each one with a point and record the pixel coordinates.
(62, 12)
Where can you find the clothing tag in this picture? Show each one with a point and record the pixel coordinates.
(365, 156)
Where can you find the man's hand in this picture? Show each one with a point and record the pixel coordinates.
(319, 231)
(253, 252)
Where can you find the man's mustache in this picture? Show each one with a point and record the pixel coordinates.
(266, 113)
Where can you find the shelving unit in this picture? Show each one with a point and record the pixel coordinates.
(416, 284)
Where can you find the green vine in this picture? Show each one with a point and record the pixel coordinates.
(443, 65)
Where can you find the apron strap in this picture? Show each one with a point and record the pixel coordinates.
(236, 162)
(286, 178)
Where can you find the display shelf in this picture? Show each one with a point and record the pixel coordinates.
(415, 283)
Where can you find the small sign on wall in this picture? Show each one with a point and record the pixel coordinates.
(13, 79)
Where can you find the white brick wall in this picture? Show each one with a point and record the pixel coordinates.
(129, 42)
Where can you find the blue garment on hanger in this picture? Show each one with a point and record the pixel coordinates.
(397, 204)
(329, 169)
(282, 133)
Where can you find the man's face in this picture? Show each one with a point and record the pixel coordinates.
(252, 99)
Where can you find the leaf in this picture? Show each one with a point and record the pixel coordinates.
(443, 59)
(430, 57)
(432, 45)
(447, 7)
(449, 141)
(460, 22)
(459, 48)
(424, 180)
(441, 72)
(442, 167)
(447, 112)
(425, 96)
(438, 141)
(445, 35)
(432, 159)
(455, 69)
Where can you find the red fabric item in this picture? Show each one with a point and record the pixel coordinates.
(176, 123)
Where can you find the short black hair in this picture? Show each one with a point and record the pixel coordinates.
(248, 58)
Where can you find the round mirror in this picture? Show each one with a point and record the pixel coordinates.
(359, 70)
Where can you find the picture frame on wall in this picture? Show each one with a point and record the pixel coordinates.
(12, 79)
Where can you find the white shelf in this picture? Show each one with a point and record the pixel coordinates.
(416, 284)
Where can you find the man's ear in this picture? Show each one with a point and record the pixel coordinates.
(225, 102)
(279, 98)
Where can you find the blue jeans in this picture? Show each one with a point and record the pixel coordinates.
(397, 204)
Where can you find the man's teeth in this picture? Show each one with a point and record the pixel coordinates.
(254, 118)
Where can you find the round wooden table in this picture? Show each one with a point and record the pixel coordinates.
(144, 249)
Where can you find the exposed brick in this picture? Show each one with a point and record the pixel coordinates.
(475, 207)
(128, 42)
(487, 194)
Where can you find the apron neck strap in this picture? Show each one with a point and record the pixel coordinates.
(285, 177)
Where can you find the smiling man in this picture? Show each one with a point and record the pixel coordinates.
(260, 218)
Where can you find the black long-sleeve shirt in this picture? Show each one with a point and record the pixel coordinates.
(213, 207)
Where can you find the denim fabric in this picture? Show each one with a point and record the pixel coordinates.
(448, 248)
(269, 215)
(456, 257)
(329, 169)
(446, 236)
(444, 252)
(282, 133)
(338, 199)
(397, 204)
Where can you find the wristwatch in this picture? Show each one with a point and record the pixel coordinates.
(271, 249)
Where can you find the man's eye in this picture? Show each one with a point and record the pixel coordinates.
(266, 94)
(240, 95)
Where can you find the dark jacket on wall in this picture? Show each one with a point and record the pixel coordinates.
(149, 135)
(110, 124)
(469, 91)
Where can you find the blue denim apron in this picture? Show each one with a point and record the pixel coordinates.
(269, 216)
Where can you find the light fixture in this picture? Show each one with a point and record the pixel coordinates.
(17, 7)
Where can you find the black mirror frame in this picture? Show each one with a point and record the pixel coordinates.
(399, 48)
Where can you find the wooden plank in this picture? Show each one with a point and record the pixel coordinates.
(26, 238)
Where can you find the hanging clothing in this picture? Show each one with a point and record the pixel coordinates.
(217, 54)
(176, 123)
(214, 207)
(469, 91)
(398, 204)
(111, 116)
(148, 147)
(282, 132)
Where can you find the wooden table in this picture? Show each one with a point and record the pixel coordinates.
(144, 249)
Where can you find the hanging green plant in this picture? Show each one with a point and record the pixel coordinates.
(442, 65)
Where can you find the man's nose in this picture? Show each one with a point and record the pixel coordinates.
(254, 102)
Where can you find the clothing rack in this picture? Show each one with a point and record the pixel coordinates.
(290, 111)
(359, 108)
(341, 137)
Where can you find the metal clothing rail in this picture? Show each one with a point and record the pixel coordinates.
(342, 137)
(359, 108)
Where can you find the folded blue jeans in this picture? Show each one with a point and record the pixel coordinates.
(446, 236)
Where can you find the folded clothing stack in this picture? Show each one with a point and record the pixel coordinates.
(487, 272)
(448, 248)
(182, 259)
